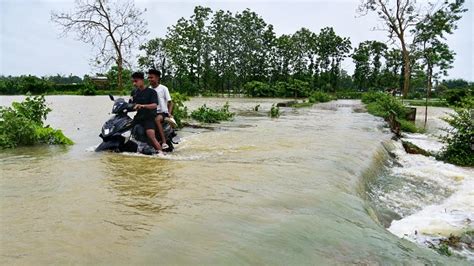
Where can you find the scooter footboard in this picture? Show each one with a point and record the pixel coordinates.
(108, 146)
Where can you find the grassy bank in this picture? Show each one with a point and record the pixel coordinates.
(390, 108)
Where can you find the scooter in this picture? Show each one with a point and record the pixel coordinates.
(121, 134)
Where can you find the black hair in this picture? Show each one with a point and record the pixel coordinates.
(154, 72)
(138, 75)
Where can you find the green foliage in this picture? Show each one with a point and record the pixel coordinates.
(409, 126)
(48, 135)
(33, 108)
(460, 138)
(22, 124)
(370, 97)
(113, 79)
(274, 111)
(208, 115)
(381, 104)
(24, 85)
(320, 97)
(443, 249)
(226, 52)
(455, 96)
(180, 111)
(89, 88)
(296, 88)
(258, 89)
(367, 59)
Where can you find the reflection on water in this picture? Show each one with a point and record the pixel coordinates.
(141, 183)
(252, 191)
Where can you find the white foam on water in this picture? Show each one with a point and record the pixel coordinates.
(92, 148)
(427, 142)
(453, 215)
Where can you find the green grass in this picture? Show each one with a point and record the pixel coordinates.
(409, 126)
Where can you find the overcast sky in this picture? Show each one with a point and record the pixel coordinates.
(30, 43)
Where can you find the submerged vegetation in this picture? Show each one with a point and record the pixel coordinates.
(23, 124)
(208, 115)
(274, 111)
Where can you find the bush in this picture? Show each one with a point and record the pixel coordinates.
(294, 88)
(415, 95)
(258, 89)
(460, 138)
(274, 111)
(455, 96)
(180, 111)
(369, 97)
(320, 97)
(409, 126)
(207, 115)
(22, 124)
(48, 135)
(381, 104)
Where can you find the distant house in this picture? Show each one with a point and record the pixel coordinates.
(100, 82)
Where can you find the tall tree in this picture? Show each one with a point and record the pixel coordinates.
(156, 56)
(332, 49)
(368, 64)
(112, 27)
(361, 58)
(222, 31)
(398, 17)
(430, 41)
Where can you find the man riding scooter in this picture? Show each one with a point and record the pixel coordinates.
(146, 102)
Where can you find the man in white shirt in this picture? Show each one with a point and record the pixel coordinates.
(165, 105)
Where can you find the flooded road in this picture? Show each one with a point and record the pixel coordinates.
(252, 191)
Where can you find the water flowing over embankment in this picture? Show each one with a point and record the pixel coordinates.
(252, 191)
(421, 199)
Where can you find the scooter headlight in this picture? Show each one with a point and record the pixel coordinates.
(107, 131)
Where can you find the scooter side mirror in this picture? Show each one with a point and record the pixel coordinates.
(111, 97)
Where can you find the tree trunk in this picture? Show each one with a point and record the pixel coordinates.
(406, 70)
(428, 90)
(119, 72)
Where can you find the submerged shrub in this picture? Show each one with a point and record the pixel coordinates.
(48, 135)
(274, 111)
(208, 115)
(22, 124)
